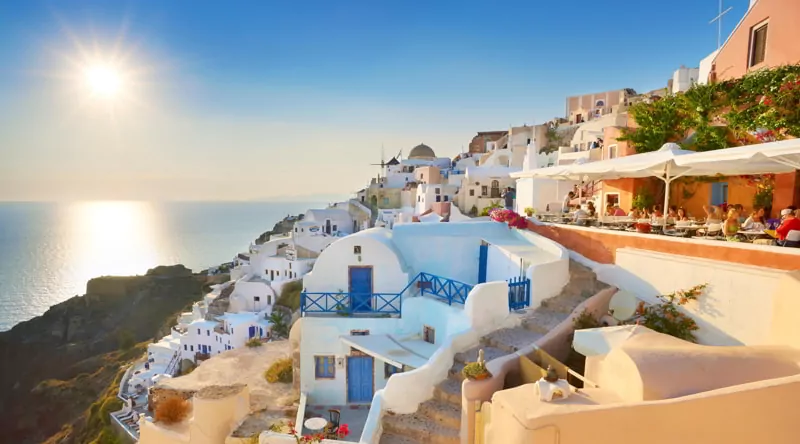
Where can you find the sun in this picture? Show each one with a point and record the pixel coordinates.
(103, 80)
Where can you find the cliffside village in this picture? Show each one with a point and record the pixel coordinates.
(549, 284)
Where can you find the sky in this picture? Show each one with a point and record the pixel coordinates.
(287, 100)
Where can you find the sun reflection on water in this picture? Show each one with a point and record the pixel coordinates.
(112, 238)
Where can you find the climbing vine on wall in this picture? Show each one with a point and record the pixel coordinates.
(760, 107)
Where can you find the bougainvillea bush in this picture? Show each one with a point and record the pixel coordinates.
(513, 219)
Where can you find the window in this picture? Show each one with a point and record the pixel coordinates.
(198, 331)
(446, 198)
(419, 198)
(208, 332)
(269, 299)
(389, 370)
(386, 201)
(758, 44)
(599, 104)
(359, 332)
(438, 198)
(484, 190)
(185, 347)
(421, 176)
(335, 228)
(437, 190)
(612, 199)
(356, 249)
(428, 334)
(324, 367)
(612, 152)
(191, 348)
(290, 264)
(471, 192)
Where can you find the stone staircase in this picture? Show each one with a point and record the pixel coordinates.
(438, 420)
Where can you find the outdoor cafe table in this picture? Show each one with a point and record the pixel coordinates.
(751, 234)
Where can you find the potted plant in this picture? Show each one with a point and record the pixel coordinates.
(475, 371)
(529, 211)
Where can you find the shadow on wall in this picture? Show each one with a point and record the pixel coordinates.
(644, 290)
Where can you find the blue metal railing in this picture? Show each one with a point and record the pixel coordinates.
(352, 303)
(443, 288)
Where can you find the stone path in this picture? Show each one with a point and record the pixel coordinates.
(438, 420)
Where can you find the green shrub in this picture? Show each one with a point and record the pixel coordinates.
(290, 295)
(279, 371)
(253, 342)
(475, 370)
(585, 320)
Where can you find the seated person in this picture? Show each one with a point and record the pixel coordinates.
(680, 215)
(635, 214)
(618, 211)
(673, 212)
(756, 221)
(730, 228)
(788, 223)
(580, 216)
(590, 209)
(713, 213)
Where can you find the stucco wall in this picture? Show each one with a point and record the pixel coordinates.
(331, 268)
(782, 49)
(736, 308)
(761, 412)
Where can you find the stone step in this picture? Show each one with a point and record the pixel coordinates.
(511, 339)
(391, 438)
(471, 355)
(448, 391)
(445, 413)
(421, 428)
(543, 319)
(455, 371)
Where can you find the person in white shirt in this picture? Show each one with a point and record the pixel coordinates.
(756, 221)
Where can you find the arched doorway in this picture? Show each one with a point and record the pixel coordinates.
(495, 189)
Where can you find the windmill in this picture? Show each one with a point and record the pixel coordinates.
(383, 164)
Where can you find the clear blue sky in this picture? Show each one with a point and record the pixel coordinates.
(257, 99)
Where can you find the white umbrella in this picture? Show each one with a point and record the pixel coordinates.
(660, 164)
(772, 157)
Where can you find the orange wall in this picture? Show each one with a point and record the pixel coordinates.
(601, 246)
(787, 191)
(782, 35)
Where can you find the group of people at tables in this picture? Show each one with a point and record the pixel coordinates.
(734, 223)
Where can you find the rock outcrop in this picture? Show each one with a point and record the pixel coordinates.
(74, 339)
(284, 226)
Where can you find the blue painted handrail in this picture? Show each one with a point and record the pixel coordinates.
(448, 290)
(443, 288)
(351, 303)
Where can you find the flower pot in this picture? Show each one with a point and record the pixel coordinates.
(643, 228)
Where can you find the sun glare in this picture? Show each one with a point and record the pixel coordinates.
(104, 81)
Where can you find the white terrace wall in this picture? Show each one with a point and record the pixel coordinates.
(736, 309)
(448, 250)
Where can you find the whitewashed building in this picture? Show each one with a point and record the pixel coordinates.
(352, 337)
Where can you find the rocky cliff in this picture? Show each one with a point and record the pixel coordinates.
(57, 365)
(283, 226)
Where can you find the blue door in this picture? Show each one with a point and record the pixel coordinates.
(252, 332)
(361, 289)
(482, 260)
(359, 379)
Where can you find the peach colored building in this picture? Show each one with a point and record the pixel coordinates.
(766, 37)
(590, 106)
(428, 174)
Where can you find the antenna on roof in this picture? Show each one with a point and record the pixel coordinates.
(718, 19)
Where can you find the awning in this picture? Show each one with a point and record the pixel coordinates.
(414, 353)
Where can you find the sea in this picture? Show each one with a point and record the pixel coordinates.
(48, 251)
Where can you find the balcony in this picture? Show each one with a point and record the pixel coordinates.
(568, 155)
(352, 304)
